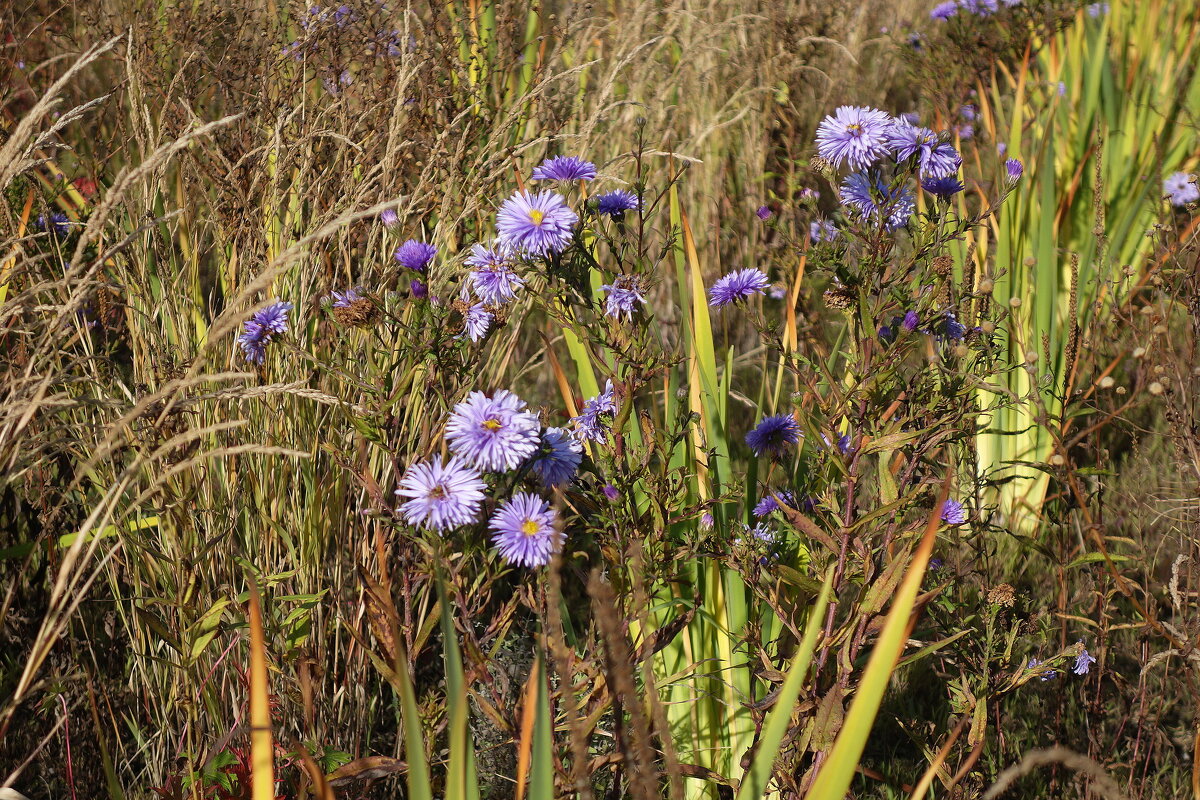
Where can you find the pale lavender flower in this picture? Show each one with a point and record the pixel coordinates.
(968, 112)
(525, 530)
(389, 218)
(980, 8)
(594, 421)
(879, 202)
(854, 135)
(1083, 661)
(477, 321)
(614, 204)
(415, 255)
(1095, 11)
(953, 513)
(1045, 674)
(623, 294)
(494, 434)
(773, 435)
(935, 158)
(822, 230)
(1180, 189)
(707, 521)
(557, 459)
(944, 10)
(493, 277)
(965, 131)
(345, 299)
(810, 194)
(564, 168)
(611, 492)
(911, 117)
(737, 286)
(1013, 169)
(538, 224)
(441, 495)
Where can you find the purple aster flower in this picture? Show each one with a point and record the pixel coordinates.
(441, 495)
(935, 564)
(493, 277)
(737, 286)
(1083, 661)
(953, 513)
(854, 135)
(389, 218)
(965, 131)
(911, 321)
(822, 230)
(477, 321)
(936, 159)
(623, 293)
(773, 435)
(707, 521)
(1180, 189)
(418, 289)
(59, 225)
(525, 530)
(1062, 89)
(614, 204)
(769, 504)
(1044, 675)
(557, 460)
(911, 117)
(345, 299)
(948, 328)
(1013, 168)
(1095, 11)
(968, 113)
(763, 213)
(810, 194)
(415, 255)
(595, 420)
(944, 10)
(879, 202)
(564, 168)
(611, 492)
(538, 224)
(494, 434)
(943, 188)
(886, 334)
(261, 328)
(980, 8)
(1001, 148)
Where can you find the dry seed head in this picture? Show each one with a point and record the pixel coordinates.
(839, 297)
(942, 265)
(1159, 369)
(1155, 388)
(961, 351)
(986, 285)
(1159, 330)
(988, 327)
(1030, 261)
(1139, 352)
(1056, 460)
(1015, 302)
(1121, 390)
(1002, 595)
(1106, 382)
(1031, 357)
(360, 313)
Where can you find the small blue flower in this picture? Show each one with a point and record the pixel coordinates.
(944, 10)
(876, 201)
(1045, 674)
(611, 492)
(263, 326)
(943, 188)
(911, 321)
(768, 504)
(1181, 189)
(773, 435)
(557, 461)
(1014, 169)
(623, 294)
(415, 255)
(763, 213)
(389, 218)
(59, 225)
(822, 230)
(614, 204)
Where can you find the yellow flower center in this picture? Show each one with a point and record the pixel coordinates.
(536, 216)
(492, 424)
(529, 527)
(854, 127)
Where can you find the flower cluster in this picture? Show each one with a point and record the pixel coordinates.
(882, 151)
(1180, 188)
(261, 328)
(494, 434)
(596, 419)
